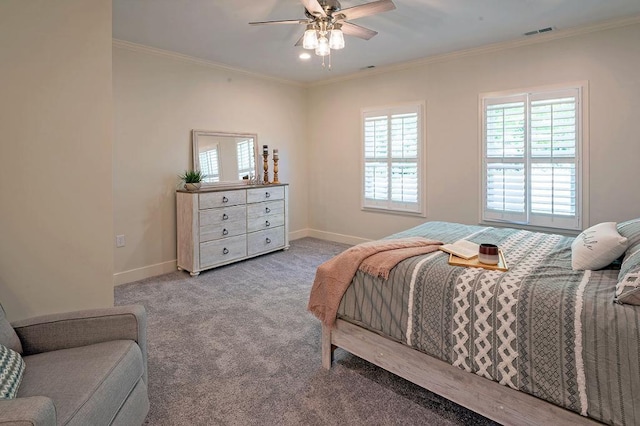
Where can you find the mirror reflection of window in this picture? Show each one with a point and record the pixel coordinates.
(209, 164)
(246, 159)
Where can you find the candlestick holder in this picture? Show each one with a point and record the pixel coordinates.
(265, 166)
(275, 169)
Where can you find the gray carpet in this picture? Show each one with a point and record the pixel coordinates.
(236, 346)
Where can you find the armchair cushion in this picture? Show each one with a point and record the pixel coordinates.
(88, 384)
(11, 371)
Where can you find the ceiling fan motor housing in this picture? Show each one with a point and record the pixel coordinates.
(329, 6)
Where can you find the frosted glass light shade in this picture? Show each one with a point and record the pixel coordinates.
(337, 39)
(310, 40)
(323, 47)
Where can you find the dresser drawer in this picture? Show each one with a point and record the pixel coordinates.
(263, 241)
(265, 209)
(222, 251)
(265, 222)
(223, 215)
(229, 229)
(256, 195)
(210, 200)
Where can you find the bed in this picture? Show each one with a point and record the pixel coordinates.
(539, 344)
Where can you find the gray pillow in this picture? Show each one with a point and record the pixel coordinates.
(631, 230)
(628, 288)
(8, 336)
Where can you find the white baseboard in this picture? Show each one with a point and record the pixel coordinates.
(296, 235)
(172, 265)
(144, 272)
(338, 238)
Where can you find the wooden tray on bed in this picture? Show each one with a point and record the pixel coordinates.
(475, 263)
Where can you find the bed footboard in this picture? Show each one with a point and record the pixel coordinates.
(488, 398)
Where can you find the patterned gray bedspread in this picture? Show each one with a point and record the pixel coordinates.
(541, 327)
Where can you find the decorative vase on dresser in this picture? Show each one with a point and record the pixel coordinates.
(218, 226)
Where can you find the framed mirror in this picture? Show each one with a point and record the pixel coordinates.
(225, 158)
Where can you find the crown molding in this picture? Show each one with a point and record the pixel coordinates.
(495, 47)
(445, 57)
(135, 47)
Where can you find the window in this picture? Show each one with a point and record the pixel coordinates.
(246, 159)
(393, 165)
(531, 144)
(209, 164)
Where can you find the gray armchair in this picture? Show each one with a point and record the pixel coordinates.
(82, 368)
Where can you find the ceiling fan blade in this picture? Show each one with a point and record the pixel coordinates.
(290, 21)
(352, 29)
(367, 9)
(314, 8)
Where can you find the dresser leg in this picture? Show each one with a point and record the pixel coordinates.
(194, 274)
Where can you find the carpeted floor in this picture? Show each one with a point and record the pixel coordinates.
(236, 346)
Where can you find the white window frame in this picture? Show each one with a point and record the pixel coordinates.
(388, 205)
(535, 220)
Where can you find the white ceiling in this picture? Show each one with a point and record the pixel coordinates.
(218, 30)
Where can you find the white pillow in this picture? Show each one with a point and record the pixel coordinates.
(597, 247)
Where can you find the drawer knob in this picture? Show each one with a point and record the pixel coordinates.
(267, 195)
(224, 216)
(266, 223)
(268, 240)
(225, 251)
(225, 199)
(225, 232)
(267, 210)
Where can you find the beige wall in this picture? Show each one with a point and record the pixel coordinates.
(158, 100)
(56, 215)
(609, 60)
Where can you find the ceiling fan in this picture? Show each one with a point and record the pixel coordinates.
(327, 23)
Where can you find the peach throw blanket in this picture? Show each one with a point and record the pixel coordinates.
(375, 258)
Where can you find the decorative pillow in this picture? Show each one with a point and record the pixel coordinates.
(631, 261)
(597, 247)
(11, 371)
(631, 230)
(628, 288)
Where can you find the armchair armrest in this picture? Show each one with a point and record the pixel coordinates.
(29, 411)
(80, 328)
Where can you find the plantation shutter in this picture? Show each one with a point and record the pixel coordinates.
(504, 159)
(209, 164)
(531, 147)
(246, 158)
(391, 178)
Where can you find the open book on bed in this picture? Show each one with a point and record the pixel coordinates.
(462, 248)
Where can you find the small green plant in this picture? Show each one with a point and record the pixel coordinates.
(192, 176)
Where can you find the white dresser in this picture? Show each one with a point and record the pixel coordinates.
(217, 226)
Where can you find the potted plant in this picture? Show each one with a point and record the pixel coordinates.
(192, 179)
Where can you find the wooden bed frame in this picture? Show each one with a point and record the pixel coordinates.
(488, 398)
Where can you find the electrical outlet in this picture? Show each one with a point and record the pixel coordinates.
(119, 240)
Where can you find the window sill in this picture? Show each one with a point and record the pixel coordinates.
(525, 227)
(393, 212)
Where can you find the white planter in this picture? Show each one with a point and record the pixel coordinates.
(192, 186)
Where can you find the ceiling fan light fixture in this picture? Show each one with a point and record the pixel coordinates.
(336, 40)
(310, 40)
(323, 46)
